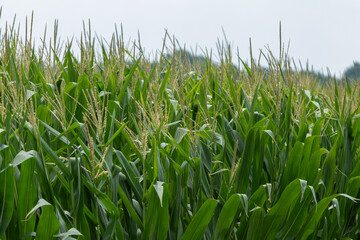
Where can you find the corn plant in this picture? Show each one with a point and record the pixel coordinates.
(112, 144)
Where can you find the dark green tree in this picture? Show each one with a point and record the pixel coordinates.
(353, 72)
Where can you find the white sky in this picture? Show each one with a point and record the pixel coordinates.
(323, 32)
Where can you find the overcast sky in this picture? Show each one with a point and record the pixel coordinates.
(323, 32)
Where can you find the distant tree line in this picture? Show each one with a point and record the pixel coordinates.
(350, 74)
(353, 72)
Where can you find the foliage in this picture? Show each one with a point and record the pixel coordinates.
(353, 72)
(111, 146)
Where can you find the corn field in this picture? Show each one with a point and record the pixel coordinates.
(111, 143)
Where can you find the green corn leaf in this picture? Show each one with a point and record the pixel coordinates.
(27, 192)
(115, 135)
(49, 224)
(255, 224)
(277, 214)
(68, 234)
(200, 221)
(7, 190)
(157, 213)
(131, 175)
(130, 209)
(227, 217)
(316, 214)
(109, 205)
